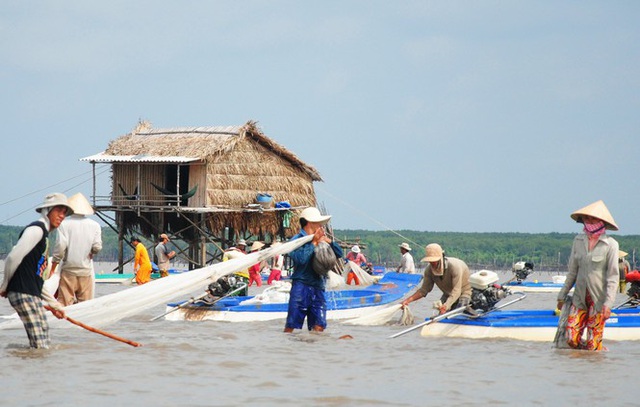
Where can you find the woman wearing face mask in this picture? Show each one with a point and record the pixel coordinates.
(593, 269)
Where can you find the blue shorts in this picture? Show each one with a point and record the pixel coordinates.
(306, 301)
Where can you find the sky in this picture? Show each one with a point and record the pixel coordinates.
(459, 116)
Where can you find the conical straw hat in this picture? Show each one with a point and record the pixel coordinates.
(597, 210)
(622, 253)
(80, 205)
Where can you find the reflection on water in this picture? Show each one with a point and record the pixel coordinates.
(255, 364)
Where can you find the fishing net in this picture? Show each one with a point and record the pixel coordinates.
(560, 340)
(407, 316)
(380, 317)
(365, 278)
(277, 293)
(111, 308)
(334, 280)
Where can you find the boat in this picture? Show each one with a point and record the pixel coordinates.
(528, 325)
(120, 278)
(117, 278)
(341, 304)
(522, 270)
(534, 286)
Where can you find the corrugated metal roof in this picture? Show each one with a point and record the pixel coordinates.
(141, 158)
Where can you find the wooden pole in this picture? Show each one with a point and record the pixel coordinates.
(98, 331)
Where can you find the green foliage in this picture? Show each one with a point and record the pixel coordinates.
(548, 251)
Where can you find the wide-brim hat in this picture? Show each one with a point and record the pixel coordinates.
(433, 253)
(355, 249)
(80, 205)
(405, 246)
(257, 246)
(597, 210)
(622, 253)
(241, 242)
(55, 199)
(312, 214)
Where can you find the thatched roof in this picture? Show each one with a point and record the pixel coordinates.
(229, 165)
(203, 143)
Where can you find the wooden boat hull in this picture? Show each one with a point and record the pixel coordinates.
(528, 325)
(341, 304)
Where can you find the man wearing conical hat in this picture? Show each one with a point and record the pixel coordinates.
(593, 273)
(254, 271)
(79, 239)
(624, 267)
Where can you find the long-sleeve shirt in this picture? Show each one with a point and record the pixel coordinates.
(454, 283)
(31, 236)
(302, 267)
(79, 238)
(595, 271)
(141, 261)
(406, 264)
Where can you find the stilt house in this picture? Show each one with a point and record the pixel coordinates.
(206, 186)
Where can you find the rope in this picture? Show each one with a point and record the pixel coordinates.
(47, 188)
(387, 228)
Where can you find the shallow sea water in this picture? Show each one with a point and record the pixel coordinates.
(225, 364)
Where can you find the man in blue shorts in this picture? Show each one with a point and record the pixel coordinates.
(307, 287)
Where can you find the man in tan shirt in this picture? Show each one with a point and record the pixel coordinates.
(450, 274)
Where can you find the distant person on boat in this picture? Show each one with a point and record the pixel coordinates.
(406, 262)
(307, 288)
(356, 256)
(164, 255)
(25, 270)
(141, 264)
(593, 270)
(79, 239)
(277, 264)
(450, 274)
(254, 271)
(624, 267)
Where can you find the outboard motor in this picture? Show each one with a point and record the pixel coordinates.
(225, 285)
(485, 290)
(522, 270)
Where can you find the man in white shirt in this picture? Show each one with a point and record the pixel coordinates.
(406, 263)
(79, 239)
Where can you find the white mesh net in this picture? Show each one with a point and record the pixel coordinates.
(365, 278)
(384, 317)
